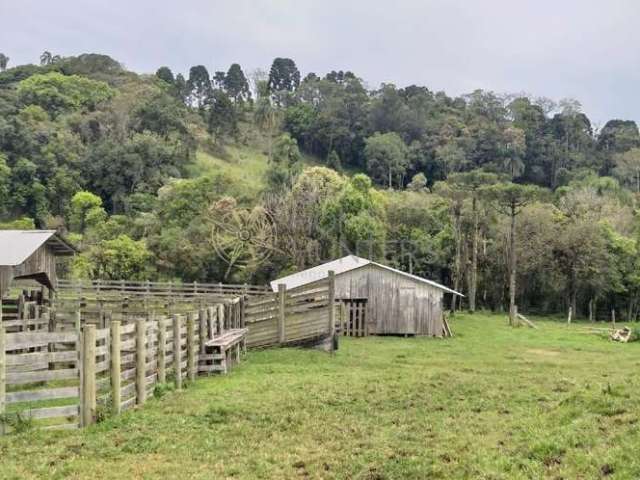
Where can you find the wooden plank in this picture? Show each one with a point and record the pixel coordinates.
(162, 349)
(191, 347)
(3, 369)
(282, 295)
(88, 391)
(41, 357)
(22, 340)
(116, 365)
(177, 353)
(128, 374)
(53, 412)
(127, 404)
(127, 390)
(140, 360)
(41, 376)
(44, 394)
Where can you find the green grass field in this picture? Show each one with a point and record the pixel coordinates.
(493, 402)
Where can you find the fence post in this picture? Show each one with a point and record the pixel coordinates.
(116, 339)
(77, 321)
(191, 347)
(202, 325)
(88, 397)
(3, 369)
(177, 354)
(162, 349)
(282, 295)
(141, 360)
(332, 302)
(221, 318)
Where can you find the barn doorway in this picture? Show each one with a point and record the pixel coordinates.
(354, 321)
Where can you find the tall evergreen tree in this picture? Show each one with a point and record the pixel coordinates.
(236, 84)
(199, 86)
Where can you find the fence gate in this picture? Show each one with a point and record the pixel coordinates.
(354, 321)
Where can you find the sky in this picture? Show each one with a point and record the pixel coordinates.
(582, 49)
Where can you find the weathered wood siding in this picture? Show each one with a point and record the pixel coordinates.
(395, 304)
(42, 261)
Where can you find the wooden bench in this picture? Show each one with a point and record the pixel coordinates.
(223, 351)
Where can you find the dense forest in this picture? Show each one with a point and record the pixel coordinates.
(243, 176)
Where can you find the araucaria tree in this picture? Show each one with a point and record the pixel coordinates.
(509, 199)
(4, 60)
(470, 184)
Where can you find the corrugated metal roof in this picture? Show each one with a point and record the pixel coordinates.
(341, 265)
(18, 245)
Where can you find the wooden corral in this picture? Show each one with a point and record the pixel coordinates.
(30, 255)
(91, 359)
(396, 303)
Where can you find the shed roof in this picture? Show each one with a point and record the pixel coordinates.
(16, 246)
(345, 264)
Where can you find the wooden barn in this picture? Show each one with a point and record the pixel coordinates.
(30, 255)
(379, 300)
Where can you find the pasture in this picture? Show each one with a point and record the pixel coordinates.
(493, 402)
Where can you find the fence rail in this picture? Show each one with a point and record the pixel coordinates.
(158, 289)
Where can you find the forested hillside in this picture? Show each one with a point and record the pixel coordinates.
(243, 176)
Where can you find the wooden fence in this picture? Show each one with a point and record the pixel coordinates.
(170, 290)
(68, 378)
(64, 369)
(293, 316)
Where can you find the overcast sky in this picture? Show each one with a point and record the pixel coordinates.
(586, 49)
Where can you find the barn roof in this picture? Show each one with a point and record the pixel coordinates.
(345, 264)
(16, 246)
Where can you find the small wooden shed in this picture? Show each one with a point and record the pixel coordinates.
(30, 254)
(380, 299)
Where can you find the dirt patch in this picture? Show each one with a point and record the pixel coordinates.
(543, 353)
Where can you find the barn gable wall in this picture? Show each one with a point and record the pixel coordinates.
(396, 304)
(42, 261)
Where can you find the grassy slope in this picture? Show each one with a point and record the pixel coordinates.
(247, 165)
(493, 402)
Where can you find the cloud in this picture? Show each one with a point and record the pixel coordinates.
(584, 49)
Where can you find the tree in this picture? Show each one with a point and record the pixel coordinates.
(223, 118)
(514, 149)
(121, 258)
(353, 219)
(470, 183)
(451, 158)
(285, 164)
(236, 84)
(284, 75)
(627, 168)
(86, 211)
(266, 117)
(5, 185)
(509, 199)
(297, 216)
(166, 75)
(418, 183)
(387, 157)
(333, 160)
(48, 59)
(199, 86)
(45, 58)
(57, 93)
(4, 61)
